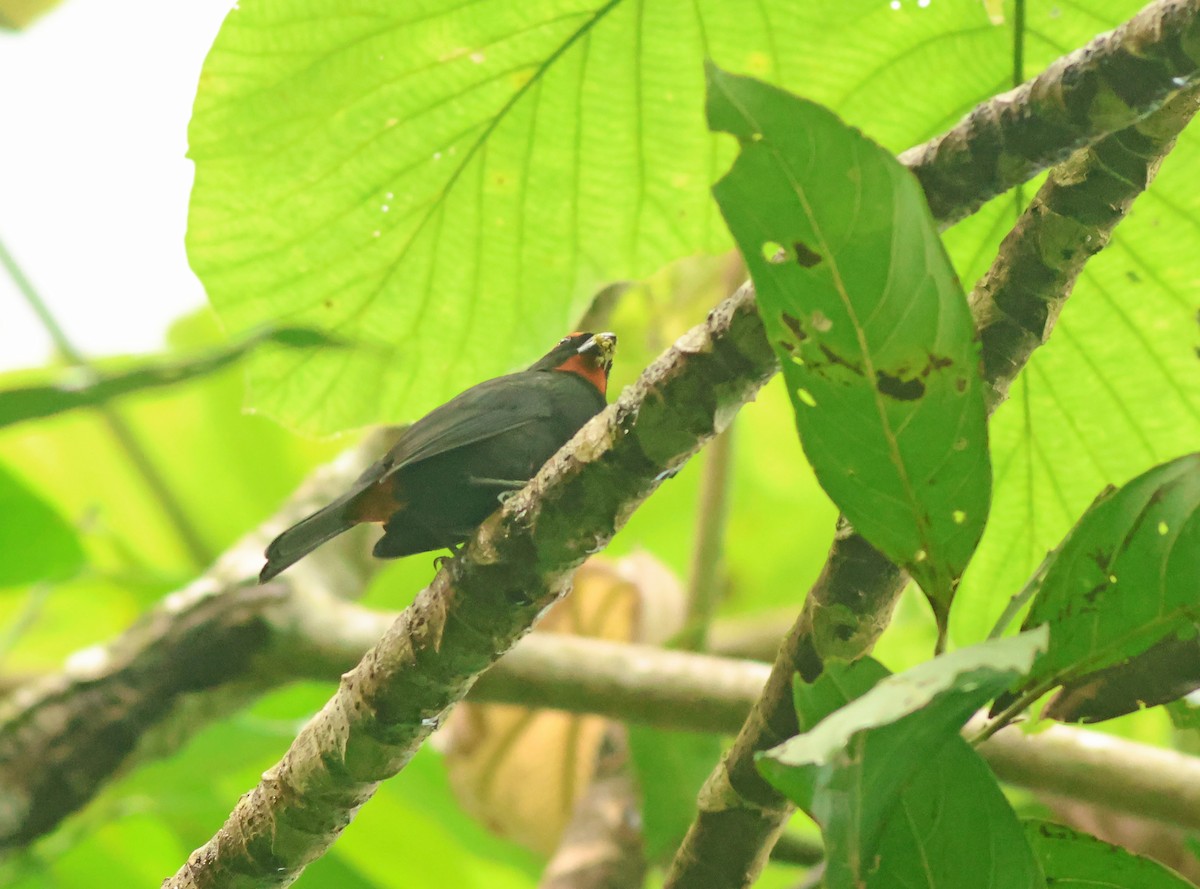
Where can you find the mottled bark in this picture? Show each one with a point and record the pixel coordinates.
(1096, 90)
(516, 566)
(199, 655)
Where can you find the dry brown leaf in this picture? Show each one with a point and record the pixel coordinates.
(521, 771)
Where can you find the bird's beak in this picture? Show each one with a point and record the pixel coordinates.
(601, 345)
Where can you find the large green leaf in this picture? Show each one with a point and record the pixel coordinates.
(36, 542)
(894, 788)
(447, 182)
(1079, 417)
(1126, 576)
(1076, 860)
(901, 721)
(870, 323)
(443, 183)
(952, 828)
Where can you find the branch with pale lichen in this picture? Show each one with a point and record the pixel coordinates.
(199, 655)
(1105, 86)
(968, 140)
(1070, 219)
(1015, 306)
(518, 563)
(682, 691)
(312, 636)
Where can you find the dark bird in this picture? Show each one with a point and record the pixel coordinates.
(448, 470)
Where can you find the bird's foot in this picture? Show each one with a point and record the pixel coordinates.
(506, 486)
(440, 562)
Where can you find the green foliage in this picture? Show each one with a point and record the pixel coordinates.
(870, 324)
(834, 688)
(444, 183)
(437, 189)
(37, 543)
(900, 797)
(231, 471)
(1185, 713)
(953, 829)
(1125, 577)
(1077, 860)
(671, 768)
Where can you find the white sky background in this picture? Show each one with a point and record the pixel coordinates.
(94, 103)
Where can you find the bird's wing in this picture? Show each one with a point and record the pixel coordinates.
(482, 412)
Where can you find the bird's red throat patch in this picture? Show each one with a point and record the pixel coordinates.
(583, 366)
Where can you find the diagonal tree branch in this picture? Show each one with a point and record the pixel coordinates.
(518, 564)
(201, 654)
(735, 381)
(1098, 89)
(1015, 306)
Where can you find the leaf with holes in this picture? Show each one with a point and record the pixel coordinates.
(870, 323)
(1126, 576)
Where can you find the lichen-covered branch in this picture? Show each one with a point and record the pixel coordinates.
(199, 655)
(1070, 219)
(43, 775)
(1014, 306)
(1105, 86)
(479, 604)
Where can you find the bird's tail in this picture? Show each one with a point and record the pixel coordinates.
(305, 536)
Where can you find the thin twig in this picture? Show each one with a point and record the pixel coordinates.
(603, 846)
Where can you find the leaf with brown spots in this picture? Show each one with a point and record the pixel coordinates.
(1071, 858)
(880, 357)
(1124, 579)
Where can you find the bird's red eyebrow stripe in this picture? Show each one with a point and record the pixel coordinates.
(590, 371)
